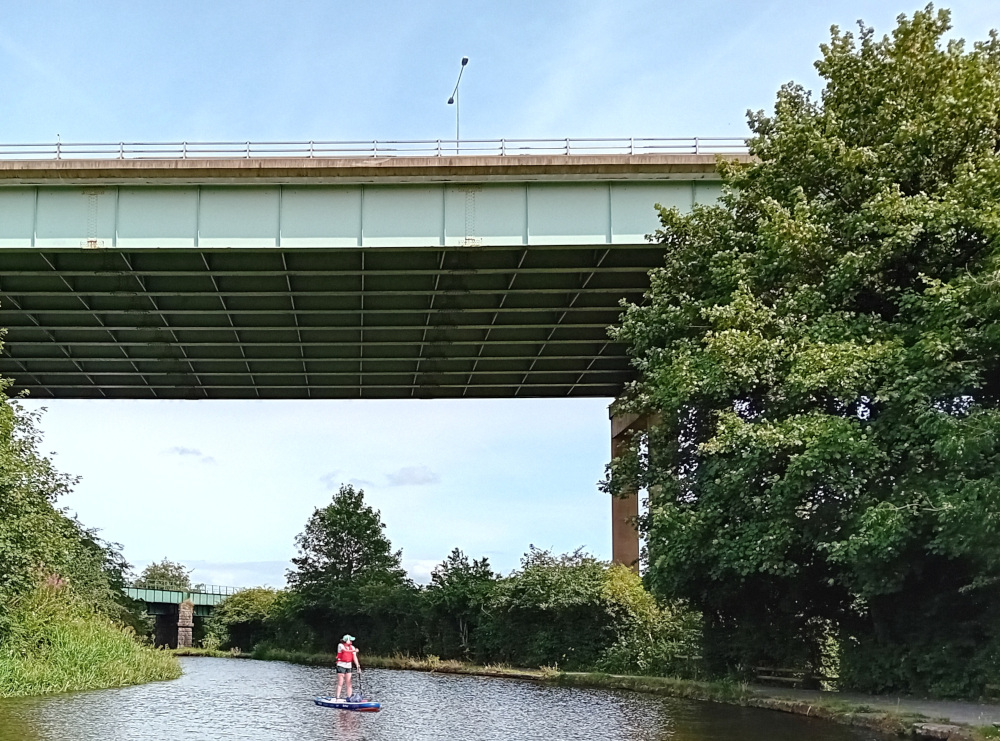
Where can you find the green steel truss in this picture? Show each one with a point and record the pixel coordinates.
(344, 323)
(164, 601)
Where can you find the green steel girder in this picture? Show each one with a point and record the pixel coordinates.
(173, 597)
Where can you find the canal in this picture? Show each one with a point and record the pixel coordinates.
(271, 701)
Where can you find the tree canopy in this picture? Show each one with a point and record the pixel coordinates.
(347, 573)
(343, 548)
(165, 574)
(819, 353)
(39, 543)
(457, 602)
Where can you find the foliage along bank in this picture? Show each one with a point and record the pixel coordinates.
(819, 356)
(570, 611)
(64, 621)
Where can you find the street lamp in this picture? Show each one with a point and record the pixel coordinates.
(454, 100)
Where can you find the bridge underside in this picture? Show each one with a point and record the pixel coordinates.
(318, 323)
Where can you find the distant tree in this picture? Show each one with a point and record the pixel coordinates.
(165, 574)
(821, 351)
(346, 569)
(555, 609)
(344, 546)
(457, 600)
(243, 619)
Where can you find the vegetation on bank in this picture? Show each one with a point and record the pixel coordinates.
(56, 643)
(567, 611)
(819, 358)
(65, 622)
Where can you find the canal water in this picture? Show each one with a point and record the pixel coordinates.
(223, 699)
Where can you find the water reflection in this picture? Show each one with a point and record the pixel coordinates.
(16, 720)
(223, 699)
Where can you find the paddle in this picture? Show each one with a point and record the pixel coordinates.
(359, 693)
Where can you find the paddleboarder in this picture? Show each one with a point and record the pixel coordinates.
(347, 659)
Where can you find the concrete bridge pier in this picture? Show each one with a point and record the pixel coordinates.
(185, 624)
(625, 509)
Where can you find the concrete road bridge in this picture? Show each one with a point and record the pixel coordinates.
(325, 270)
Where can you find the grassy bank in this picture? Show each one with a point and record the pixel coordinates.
(429, 664)
(52, 644)
(214, 653)
(735, 693)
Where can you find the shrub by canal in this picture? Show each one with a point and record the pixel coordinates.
(65, 623)
(56, 643)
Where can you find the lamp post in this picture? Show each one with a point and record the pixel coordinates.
(454, 100)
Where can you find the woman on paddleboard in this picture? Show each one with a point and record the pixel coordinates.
(347, 655)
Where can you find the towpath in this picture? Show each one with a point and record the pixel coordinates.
(968, 713)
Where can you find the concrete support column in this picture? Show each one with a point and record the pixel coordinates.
(625, 509)
(185, 624)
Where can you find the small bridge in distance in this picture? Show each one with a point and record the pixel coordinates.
(175, 609)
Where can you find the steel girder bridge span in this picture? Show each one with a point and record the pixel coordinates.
(263, 278)
(175, 609)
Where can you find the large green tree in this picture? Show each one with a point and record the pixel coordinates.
(347, 575)
(820, 350)
(557, 609)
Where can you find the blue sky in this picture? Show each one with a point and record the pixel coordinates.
(225, 486)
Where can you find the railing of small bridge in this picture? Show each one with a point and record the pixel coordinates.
(373, 148)
(166, 586)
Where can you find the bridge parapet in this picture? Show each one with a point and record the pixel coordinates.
(374, 148)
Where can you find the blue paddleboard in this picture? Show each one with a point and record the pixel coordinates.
(332, 702)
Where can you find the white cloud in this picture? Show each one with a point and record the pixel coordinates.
(190, 452)
(420, 569)
(330, 480)
(413, 476)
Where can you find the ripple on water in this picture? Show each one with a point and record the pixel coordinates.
(223, 699)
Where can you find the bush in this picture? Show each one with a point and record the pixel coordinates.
(242, 620)
(660, 640)
(56, 643)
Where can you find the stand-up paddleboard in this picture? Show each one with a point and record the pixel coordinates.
(364, 706)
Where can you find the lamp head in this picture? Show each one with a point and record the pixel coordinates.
(465, 61)
(450, 101)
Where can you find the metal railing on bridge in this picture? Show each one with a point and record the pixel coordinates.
(371, 148)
